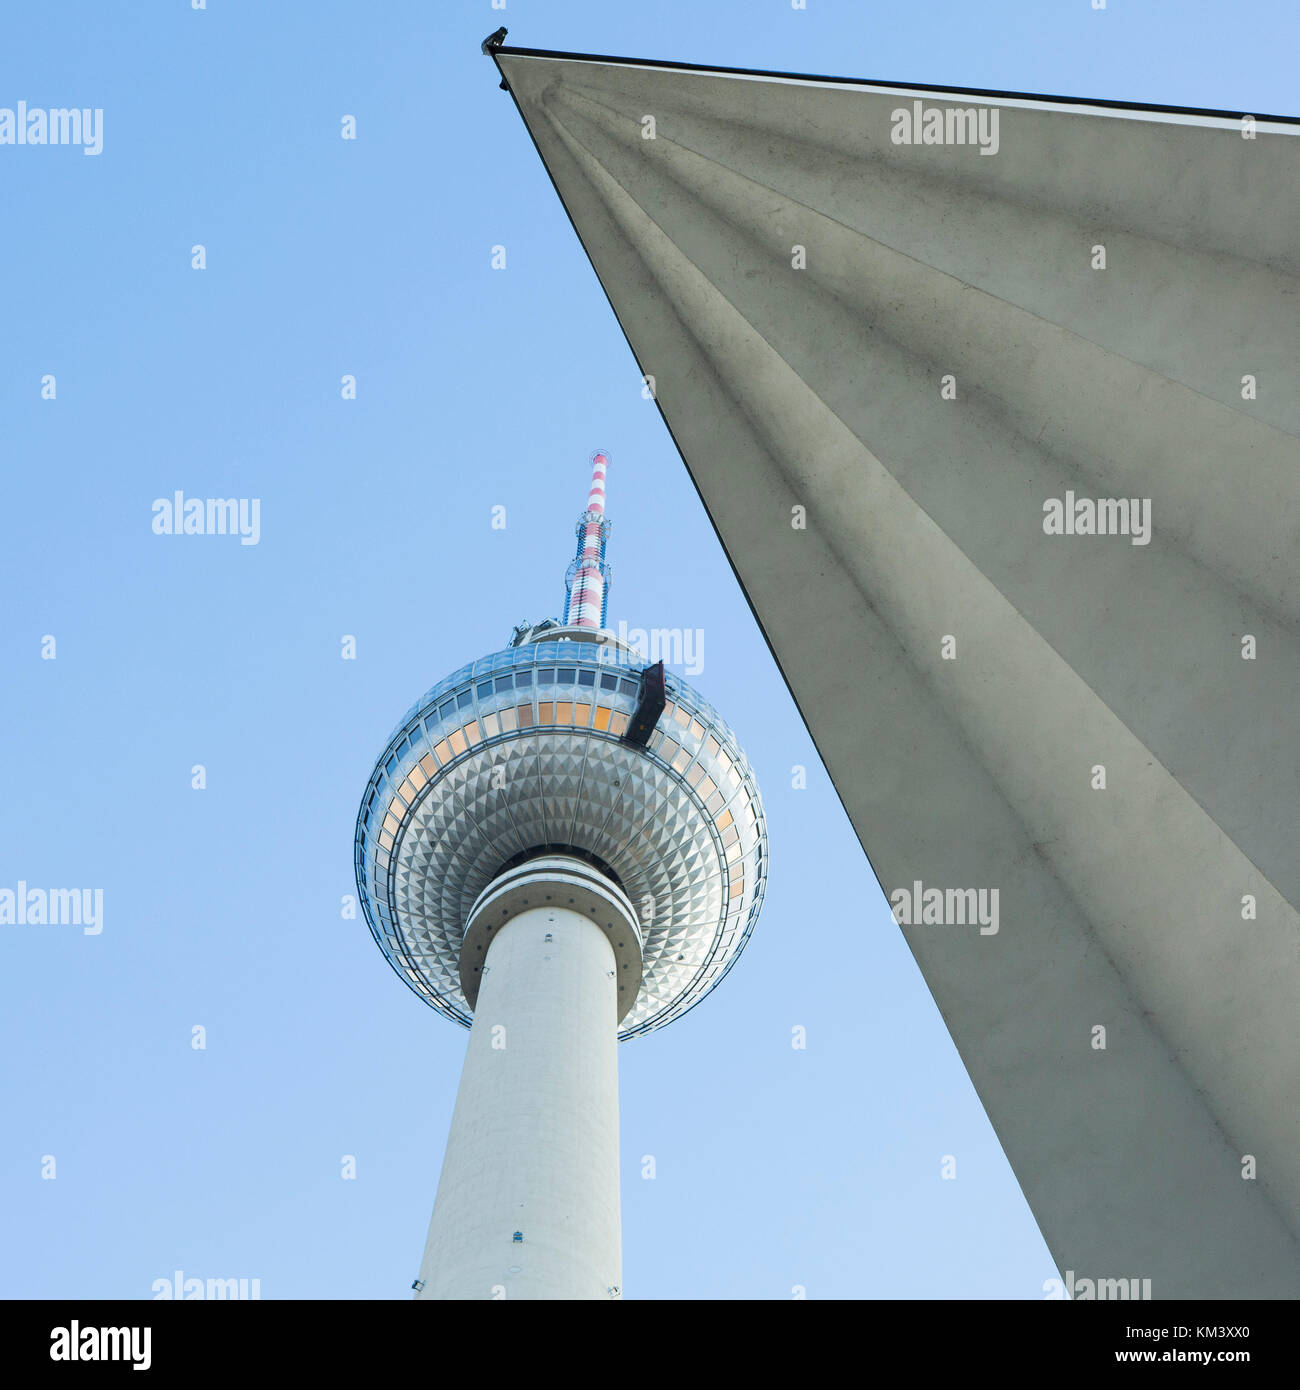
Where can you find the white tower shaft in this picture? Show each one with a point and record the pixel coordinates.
(528, 1200)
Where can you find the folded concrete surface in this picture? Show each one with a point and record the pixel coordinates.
(884, 363)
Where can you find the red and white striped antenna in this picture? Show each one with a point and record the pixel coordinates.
(588, 578)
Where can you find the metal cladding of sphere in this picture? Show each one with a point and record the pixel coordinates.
(525, 752)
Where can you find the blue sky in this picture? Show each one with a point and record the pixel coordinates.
(475, 388)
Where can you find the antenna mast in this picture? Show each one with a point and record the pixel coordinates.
(588, 578)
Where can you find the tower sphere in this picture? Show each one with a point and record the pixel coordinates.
(526, 753)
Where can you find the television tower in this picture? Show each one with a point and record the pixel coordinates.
(559, 847)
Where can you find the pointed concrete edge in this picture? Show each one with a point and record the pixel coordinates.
(1117, 911)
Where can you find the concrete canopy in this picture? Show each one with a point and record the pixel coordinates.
(921, 346)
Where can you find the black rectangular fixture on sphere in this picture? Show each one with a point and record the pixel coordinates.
(649, 705)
